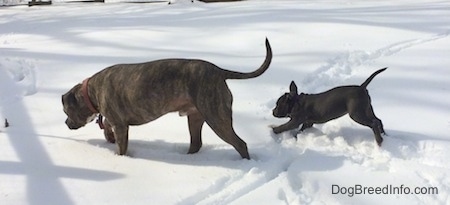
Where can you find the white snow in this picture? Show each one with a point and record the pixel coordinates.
(45, 50)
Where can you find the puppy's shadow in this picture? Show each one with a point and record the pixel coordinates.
(175, 153)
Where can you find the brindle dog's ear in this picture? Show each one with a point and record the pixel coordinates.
(293, 89)
(72, 99)
(69, 99)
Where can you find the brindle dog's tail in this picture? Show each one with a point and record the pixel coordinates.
(364, 85)
(238, 75)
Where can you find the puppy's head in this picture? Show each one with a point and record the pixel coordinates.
(286, 102)
(78, 114)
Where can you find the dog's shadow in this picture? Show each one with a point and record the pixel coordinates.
(175, 153)
(399, 144)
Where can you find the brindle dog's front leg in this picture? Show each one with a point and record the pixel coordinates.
(108, 132)
(121, 135)
(292, 124)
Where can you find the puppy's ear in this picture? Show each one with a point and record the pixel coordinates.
(293, 88)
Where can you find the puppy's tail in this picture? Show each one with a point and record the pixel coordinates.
(364, 85)
(238, 75)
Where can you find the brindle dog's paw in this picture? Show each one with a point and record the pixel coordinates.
(109, 136)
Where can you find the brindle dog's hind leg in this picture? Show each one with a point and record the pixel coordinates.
(218, 115)
(226, 132)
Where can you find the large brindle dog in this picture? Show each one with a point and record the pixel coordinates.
(134, 94)
(309, 109)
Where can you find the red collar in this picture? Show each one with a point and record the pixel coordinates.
(87, 100)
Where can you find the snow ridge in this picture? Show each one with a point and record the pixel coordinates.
(344, 66)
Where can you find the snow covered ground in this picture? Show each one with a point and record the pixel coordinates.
(46, 50)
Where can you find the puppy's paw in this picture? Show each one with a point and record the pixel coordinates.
(276, 138)
(275, 129)
(294, 133)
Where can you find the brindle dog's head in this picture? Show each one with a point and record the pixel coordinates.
(78, 114)
(286, 102)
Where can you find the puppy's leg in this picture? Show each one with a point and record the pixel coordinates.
(381, 127)
(377, 124)
(293, 123)
(107, 131)
(376, 120)
(195, 122)
(368, 121)
(377, 127)
(306, 126)
(121, 135)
